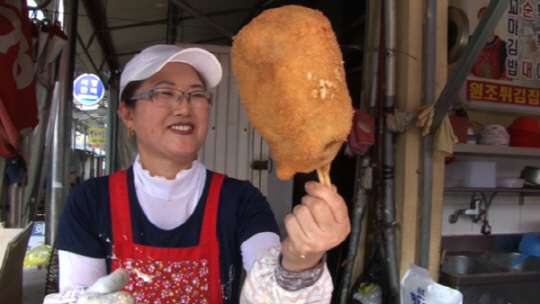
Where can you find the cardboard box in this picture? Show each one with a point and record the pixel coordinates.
(13, 243)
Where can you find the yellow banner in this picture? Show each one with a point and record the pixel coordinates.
(96, 137)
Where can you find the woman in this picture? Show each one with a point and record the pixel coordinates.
(182, 232)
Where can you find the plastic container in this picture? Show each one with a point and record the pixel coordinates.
(472, 138)
(510, 182)
(471, 174)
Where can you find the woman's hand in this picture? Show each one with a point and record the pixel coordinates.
(106, 290)
(318, 224)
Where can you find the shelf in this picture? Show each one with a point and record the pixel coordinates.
(498, 190)
(521, 191)
(496, 150)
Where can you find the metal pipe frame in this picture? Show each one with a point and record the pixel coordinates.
(61, 156)
(85, 49)
(375, 59)
(465, 63)
(164, 21)
(426, 184)
(359, 205)
(202, 17)
(98, 21)
(261, 4)
(172, 23)
(388, 151)
(111, 142)
(362, 163)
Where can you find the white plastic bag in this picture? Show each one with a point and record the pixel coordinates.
(369, 294)
(417, 287)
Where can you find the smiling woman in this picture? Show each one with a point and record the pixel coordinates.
(169, 135)
(165, 218)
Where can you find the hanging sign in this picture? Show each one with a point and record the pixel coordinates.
(507, 71)
(17, 84)
(88, 89)
(96, 137)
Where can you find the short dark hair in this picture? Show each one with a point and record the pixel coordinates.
(128, 93)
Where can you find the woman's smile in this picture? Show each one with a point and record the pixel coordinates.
(182, 128)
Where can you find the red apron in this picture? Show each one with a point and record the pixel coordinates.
(167, 275)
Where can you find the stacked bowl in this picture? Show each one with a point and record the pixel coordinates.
(525, 132)
(494, 135)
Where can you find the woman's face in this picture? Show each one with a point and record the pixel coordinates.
(174, 133)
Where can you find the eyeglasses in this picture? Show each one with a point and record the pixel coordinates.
(165, 97)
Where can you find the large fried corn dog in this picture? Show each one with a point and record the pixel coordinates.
(290, 74)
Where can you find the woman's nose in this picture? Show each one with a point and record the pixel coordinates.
(182, 106)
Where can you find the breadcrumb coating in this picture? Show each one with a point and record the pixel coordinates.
(291, 80)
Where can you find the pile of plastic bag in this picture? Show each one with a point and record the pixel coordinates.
(38, 256)
(417, 286)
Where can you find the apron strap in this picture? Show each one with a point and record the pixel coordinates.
(120, 212)
(209, 237)
(209, 225)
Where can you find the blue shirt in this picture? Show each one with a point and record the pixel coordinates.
(85, 226)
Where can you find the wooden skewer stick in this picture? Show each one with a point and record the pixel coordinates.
(323, 174)
(320, 176)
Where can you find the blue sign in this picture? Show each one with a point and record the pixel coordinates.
(88, 89)
(38, 229)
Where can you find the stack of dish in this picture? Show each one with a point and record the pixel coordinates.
(494, 135)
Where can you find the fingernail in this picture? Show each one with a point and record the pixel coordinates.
(310, 185)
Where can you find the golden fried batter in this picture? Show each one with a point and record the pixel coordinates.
(291, 79)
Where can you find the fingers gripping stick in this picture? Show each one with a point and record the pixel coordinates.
(323, 174)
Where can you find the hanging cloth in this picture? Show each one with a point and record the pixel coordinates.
(17, 86)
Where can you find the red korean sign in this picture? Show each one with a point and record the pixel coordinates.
(508, 68)
(502, 93)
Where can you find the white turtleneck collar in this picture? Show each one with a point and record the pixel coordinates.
(169, 203)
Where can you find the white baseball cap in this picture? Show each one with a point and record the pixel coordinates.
(154, 58)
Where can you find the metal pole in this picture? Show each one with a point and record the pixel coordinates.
(360, 202)
(88, 56)
(430, 36)
(61, 156)
(39, 154)
(112, 125)
(14, 209)
(172, 23)
(388, 151)
(362, 163)
(375, 58)
(93, 164)
(465, 63)
(85, 130)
